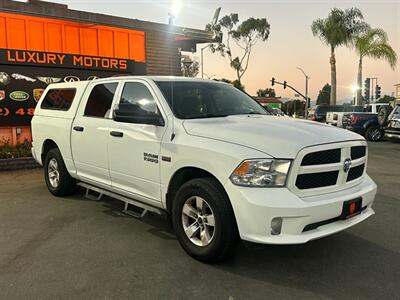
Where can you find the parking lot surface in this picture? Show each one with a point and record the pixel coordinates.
(78, 248)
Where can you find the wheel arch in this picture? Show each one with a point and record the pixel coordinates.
(47, 145)
(183, 175)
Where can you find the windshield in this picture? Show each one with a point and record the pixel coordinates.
(197, 99)
(329, 108)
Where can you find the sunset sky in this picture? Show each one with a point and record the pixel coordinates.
(291, 43)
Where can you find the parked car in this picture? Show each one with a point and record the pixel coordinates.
(206, 154)
(365, 124)
(335, 118)
(391, 122)
(321, 110)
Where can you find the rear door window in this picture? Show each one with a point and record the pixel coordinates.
(100, 100)
(58, 99)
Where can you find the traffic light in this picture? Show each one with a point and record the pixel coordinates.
(377, 92)
(284, 84)
(367, 86)
(273, 81)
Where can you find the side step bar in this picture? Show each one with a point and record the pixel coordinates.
(140, 208)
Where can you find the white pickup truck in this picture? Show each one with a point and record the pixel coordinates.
(206, 154)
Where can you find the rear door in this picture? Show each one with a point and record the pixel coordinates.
(91, 131)
(134, 149)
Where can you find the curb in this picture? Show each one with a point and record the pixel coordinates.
(12, 164)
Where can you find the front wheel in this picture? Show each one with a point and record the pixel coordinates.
(374, 133)
(203, 220)
(56, 175)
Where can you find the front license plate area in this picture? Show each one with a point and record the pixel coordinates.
(351, 208)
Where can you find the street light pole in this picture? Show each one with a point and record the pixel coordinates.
(307, 101)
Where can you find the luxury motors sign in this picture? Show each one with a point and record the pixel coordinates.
(49, 59)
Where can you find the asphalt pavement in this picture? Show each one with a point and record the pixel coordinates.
(75, 248)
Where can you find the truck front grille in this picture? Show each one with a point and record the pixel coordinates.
(316, 180)
(358, 152)
(321, 157)
(355, 172)
(325, 168)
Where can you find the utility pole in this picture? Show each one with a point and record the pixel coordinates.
(307, 104)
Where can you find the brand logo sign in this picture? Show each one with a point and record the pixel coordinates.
(71, 79)
(19, 96)
(347, 165)
(2, 95)
(37, 93)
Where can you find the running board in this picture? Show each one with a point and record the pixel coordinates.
(139, 210)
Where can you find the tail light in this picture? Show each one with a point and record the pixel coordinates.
(354, 119)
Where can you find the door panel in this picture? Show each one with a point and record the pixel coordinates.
(91, 132)
(134, 157)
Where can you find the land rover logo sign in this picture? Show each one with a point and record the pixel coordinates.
(347, 165)
(19, 96)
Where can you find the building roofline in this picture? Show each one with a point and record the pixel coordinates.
(61, 11)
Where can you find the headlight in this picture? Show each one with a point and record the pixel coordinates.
(261, 172)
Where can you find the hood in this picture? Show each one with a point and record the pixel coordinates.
(277, 136)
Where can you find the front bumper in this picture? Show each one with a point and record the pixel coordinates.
(392, 134)
(255, 208)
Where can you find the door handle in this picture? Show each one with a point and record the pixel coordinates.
(117, 133)
(78, 128)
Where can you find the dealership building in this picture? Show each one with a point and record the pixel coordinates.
(43, 42)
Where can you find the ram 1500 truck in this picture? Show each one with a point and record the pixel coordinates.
(206, 154)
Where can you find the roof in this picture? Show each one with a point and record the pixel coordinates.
(61, 11)
(268, 100)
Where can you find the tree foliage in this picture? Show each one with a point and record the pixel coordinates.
(268, 92)
(386, 99)
(324, 95)
(244, 35)
(338, 29)
(374, 43)
(235, 83)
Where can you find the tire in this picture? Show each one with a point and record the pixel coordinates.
(383, 114)
(219, 240)
(56, 175)
(374, 133)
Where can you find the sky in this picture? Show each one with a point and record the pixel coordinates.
(290, 44)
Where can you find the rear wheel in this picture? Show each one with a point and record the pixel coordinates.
(203, 220)
(56, 175)
(374, 133)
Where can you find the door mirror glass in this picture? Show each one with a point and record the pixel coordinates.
(133, 113)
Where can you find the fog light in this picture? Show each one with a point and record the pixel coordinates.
(276, 225)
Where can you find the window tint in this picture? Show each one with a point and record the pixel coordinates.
(60, 99)
(136, 99)
(100, 100)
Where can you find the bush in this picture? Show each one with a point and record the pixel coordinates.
(17, 151)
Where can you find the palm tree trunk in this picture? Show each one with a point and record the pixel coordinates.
(333, 76)
(359, 83)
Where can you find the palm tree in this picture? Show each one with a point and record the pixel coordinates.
(339, 28)
(372, 43)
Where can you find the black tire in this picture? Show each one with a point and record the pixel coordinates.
(374, 133)
(225, 233)
(66, 184)
(383, 114)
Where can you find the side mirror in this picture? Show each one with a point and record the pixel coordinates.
(131, 113)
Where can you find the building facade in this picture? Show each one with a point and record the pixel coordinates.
(43, 43)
